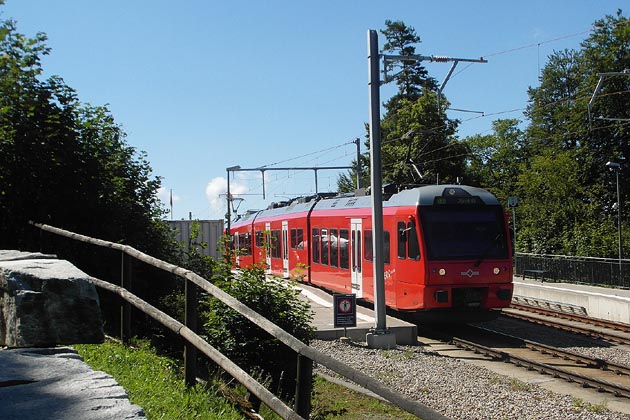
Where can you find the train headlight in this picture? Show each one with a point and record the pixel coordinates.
(496, 270)
(441, 296)
(442, 272)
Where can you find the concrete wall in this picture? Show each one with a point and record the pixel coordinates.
(599, 302)
(211, 234)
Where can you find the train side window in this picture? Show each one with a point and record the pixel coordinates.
(245, 243)
(260, 238)
(402, 240)
(315, 242)
(368, 252)
(343, 248)
(412, 241)
(325, 241)
(334, 248)
(293, 238)
(297, 239)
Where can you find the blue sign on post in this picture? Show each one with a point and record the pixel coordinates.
(345, 310)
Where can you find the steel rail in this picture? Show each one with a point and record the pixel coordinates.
(617, 326)
(591, 362)
(601, 385)
(608, 336)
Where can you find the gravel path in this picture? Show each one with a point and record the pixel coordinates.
(458, 389)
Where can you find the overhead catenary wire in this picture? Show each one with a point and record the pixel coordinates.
(309, 154)
(280, 177)
(485, 114)
(527, 46)
(537, 44)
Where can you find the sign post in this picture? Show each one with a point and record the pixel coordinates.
(345, 311)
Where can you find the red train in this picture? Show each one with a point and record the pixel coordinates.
(448, 254)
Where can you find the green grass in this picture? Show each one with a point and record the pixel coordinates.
(156, 383)
(332, 401)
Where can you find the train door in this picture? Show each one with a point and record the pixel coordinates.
(355, 257)
(285, 248)
(236, 249)
(268, 247)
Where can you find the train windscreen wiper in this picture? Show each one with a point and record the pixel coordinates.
(485, 252)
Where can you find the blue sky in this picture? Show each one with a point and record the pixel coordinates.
(204, 85)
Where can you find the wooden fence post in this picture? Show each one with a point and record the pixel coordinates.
(190, 351)
(125, 307)
(41, 241)
(303, 386)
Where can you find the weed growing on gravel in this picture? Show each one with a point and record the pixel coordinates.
(593, 408)
(517, 385)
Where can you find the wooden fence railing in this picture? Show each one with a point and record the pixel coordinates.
(306, 354)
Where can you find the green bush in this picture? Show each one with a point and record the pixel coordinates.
(247, 345)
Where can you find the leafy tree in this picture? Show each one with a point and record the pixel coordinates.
(418, 140)
(66, 163)
(560, 127)
(419, 144)
(410, 76)
(552, 202)
(495, 160)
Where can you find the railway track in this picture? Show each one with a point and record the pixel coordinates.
(570, 366)
(617, 326)
(591, 327)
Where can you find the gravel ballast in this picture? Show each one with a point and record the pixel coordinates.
(458, 389)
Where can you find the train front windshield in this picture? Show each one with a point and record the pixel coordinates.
(463, 233)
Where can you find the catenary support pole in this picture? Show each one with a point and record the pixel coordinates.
(228, 215)
(380, 338)
(358, 143)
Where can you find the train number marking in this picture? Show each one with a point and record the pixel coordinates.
(470, 273)
(389, 274)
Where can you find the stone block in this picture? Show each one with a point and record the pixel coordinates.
(46, 302)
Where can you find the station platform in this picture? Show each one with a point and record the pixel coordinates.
(597, 302)
(323, 319)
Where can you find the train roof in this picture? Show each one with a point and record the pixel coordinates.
(426, 195)
(297, 205)
(419, 196)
